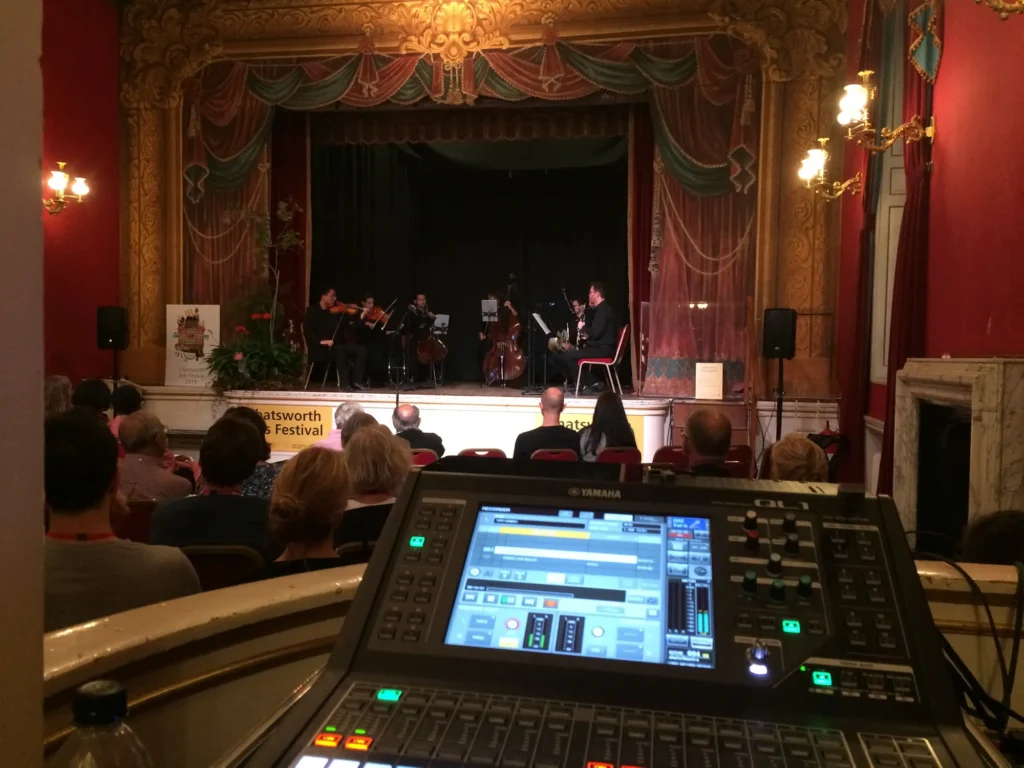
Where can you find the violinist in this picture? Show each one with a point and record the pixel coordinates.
(325, 338)
(371, 335)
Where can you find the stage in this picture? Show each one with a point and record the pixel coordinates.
(465, 415)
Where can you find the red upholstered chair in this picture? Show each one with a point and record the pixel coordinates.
(674, 455)
(619, 456)
(560, 454)
(223, 566)
(492, 453)
(743, 456)
(610, 364)
(135, 525)
(421, 457)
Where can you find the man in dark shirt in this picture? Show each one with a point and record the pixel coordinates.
(220, 515)
(406, 419)
(602, 337)
(708, 435)
(551, 435)
(325, 340)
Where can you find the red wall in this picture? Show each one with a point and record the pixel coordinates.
(976, 250)
(80, 126)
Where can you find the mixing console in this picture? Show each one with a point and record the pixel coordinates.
(699, 624)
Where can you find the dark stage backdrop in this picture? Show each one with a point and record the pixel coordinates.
(455, 220)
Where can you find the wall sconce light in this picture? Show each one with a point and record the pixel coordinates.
(1003, 8)
(854, 110)
(814, 174)
(58, 182)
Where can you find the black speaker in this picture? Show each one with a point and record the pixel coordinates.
(111, 328)
(779, 334)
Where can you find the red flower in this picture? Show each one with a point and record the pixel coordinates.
(238, 355)
(241, 329)
(266, 315)
(255, 315)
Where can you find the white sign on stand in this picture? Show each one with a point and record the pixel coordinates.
(192, 333)
(708, 381)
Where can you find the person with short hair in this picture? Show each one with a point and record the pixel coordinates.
(94, 395)
(142, 471)
(602, 334)
(356, 422)
(261, 481)
(342, 413)
(610, 428)
(550, 435)
(306, 507)
(707, 436)
(220, 514)
(406, 419)
(89, 572)
(56, 394)
(996, 538)
(325, 340)
(796, 457)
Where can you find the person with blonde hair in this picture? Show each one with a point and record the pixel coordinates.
(378, 463)
(56, 394)
(795, 457)
(306, 505)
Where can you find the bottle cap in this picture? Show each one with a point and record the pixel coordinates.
(100, 702)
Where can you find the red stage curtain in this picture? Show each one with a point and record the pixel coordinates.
(909, 290)
(289, 181)
(640, 220)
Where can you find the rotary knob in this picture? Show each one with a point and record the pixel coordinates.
(750, 520)
(750, 583)
(805, 587)
(753, 542)
(757, 659)
(774, 567)
(778, 591)
(789, 522)
(792, 545)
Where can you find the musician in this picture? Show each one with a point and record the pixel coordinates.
(506, 313)
(325, 339)
(602, 334)
(371, 335)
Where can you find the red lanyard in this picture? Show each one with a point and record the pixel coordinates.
(81, 536)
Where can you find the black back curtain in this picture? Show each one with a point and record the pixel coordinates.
(455, 220)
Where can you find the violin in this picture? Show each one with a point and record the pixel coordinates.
(377, 315)
(341, 308)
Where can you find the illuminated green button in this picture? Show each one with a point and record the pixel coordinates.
(359, 731)
(389, 694)
(330, 728)
(819, 677)
(417, 541)
(791, 626)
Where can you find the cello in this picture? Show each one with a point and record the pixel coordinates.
(429, 349)
(505, 361)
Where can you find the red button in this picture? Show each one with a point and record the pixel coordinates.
(361, 743)
(332, 740)
(600, 765)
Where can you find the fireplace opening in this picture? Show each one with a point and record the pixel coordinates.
(943, 477)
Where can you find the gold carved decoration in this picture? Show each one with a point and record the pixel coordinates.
(1003, 8)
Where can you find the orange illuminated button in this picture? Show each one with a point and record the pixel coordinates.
(554, 604)
(600, 765)
(361, 743)
(328, 740)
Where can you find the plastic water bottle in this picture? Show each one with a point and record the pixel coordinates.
(102, 739)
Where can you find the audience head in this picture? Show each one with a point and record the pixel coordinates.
(309, 497)
(708, 435)
(996, 538)
(611, 423)
(552, 403)
(229, 453)
(406, 417)
(355, 422)
(93, 394)
(80, 464)
(251, 416)
(596, 294)
(57, 394)
(142, 432)
(345, 411)
(126, 399)
(378, 462)
(795, 457)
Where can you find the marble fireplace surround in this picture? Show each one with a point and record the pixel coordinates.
(993, 388)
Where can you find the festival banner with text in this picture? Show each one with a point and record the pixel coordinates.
(192, 333)
(290, 428)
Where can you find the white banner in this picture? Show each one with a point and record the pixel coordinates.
(708, 381)
(192, 333)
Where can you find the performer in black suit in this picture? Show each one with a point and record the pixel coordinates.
(325, 339)
(602, 333)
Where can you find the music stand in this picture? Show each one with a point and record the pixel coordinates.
(489, 310)
(532, 387)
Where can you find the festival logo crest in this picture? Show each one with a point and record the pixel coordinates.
(192, 335)
(192, 332)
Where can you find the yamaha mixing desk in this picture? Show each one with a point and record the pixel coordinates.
(698, 623)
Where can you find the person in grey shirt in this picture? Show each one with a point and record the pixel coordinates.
(89, 572)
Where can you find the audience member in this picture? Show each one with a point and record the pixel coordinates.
(142, 470)
(406, 419)
(996, 538)
(94, 395)
(57, 394)
(795, 457)
(708, 435)
(550, 435)
(261, 481)
(220, 515)
(356, 422)
(378, 464)
(609, 429)
(306, 506)
(341, 415)
(89, 572)
(126, 399)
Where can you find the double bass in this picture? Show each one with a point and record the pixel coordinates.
(505, 361)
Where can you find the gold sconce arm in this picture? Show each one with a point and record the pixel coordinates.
(910, 131)
(1004, 9)
(836, 189)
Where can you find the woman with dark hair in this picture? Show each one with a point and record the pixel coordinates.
(609, 429)
(125, 400)
(92, 395)
(261, 482)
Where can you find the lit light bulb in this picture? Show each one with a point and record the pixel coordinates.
(58, 181)
(806, 173)
(80, 188)
(844, 118)
(853, 105)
